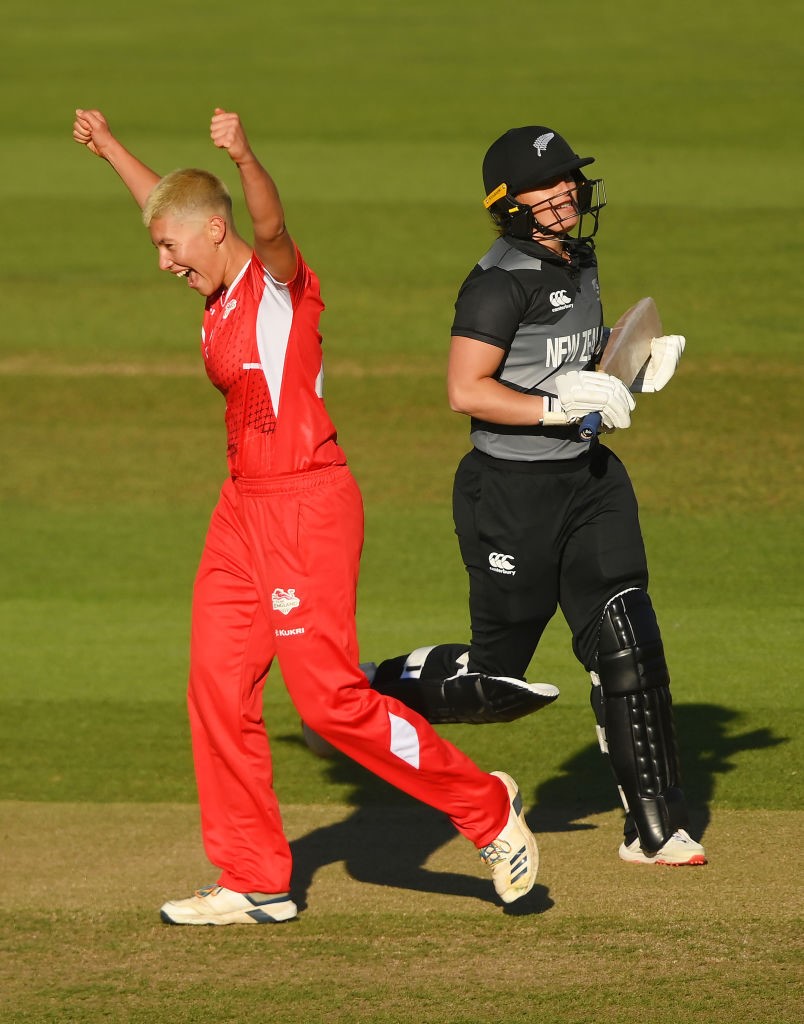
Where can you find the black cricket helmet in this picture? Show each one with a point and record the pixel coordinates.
(526, 158)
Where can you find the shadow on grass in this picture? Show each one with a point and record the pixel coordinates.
(708, 742)
(389, 838)
(390, 846)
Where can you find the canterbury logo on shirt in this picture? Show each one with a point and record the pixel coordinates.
(560, 300)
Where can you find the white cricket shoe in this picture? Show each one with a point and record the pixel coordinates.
(513, 856)
(216, 905)
(680, 850)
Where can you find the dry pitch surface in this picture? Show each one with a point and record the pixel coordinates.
(399, 923)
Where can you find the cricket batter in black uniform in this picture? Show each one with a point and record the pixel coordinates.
(545, 519)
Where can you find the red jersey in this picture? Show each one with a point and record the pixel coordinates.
(262, 350)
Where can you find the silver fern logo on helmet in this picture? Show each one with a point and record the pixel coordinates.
(541, 144)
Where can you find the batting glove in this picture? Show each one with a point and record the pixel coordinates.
(583, 391)
(665, 353)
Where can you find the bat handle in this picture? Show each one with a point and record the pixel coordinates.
(590, 426)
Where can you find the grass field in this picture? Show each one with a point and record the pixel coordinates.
(374, 119)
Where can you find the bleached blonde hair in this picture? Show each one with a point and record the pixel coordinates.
(188, 193)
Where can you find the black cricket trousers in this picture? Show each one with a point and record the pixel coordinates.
(543, 535)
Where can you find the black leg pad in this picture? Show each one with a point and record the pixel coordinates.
(638, 718)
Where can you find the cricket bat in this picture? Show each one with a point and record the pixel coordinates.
(626, 352)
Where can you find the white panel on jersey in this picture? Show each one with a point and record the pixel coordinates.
(274, 319)
(404, 740)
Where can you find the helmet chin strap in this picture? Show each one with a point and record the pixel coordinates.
(543, 229)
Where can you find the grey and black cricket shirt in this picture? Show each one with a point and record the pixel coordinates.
(545, 314)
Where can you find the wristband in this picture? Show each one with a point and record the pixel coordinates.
(552, 413)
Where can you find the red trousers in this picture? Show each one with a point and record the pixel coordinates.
(278, 577)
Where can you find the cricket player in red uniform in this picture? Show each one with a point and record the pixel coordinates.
(278, 575)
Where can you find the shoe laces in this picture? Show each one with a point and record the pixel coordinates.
(207, 890)
(496, 852)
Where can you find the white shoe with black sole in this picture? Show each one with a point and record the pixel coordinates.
(216, 905)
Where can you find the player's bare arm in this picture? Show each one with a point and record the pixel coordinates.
(473, 390)
(91, 129)
(272, 243)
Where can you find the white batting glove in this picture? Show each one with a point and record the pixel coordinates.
(665, 353)
(584, 391)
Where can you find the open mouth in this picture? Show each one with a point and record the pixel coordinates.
(563, 212)
(562, 208)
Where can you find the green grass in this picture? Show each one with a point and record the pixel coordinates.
(374, 119)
